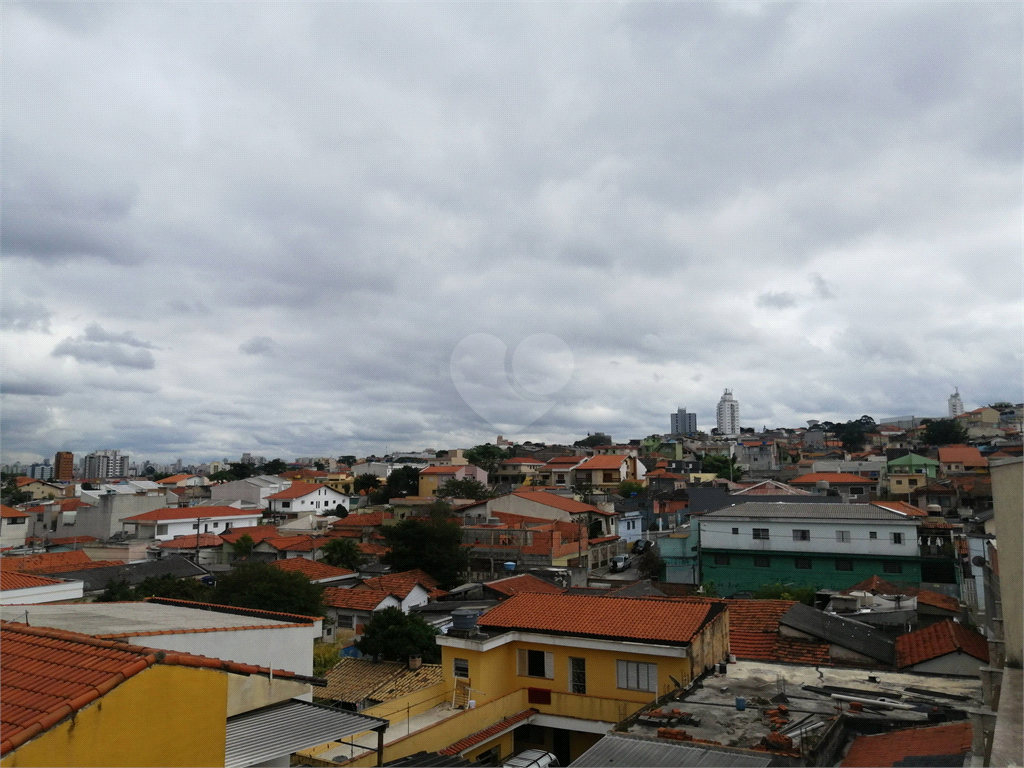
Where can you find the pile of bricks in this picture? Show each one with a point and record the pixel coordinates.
(778, 717)
(678, 734)
(777, 742)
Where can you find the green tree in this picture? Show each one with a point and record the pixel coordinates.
(404, 481)
(12, 496)
(366, 482)
(852, 435)
(466, 488)
(342, 553)
(240, 471)
(433, 545)
(594, 440)
(394, 636)
(585, 491)
(723, 466)
(651, 564)
(262, 586)
(243, 547)
(486, 456)
(170, 586)
(117, 591)
(780, 591)
(944, 432)
(628, 487)
(348, 460)
(273, 467)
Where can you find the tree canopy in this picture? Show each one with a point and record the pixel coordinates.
(404, 481)
(651, 564)
(594, 440)
(342, 553)
(628, 487)
(486, 456)
(466, 488)
(433, 545)
(395, 636)
(944, 432)
(723, 466)
(366, 482)
(261, 585)
(273, 467)
(852, 434)
(155, 586)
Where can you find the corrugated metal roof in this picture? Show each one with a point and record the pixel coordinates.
(835, 511)
(281, 729)
(624, 750)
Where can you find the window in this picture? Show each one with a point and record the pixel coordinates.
(897, 538)
(721, 559)
(16, 521)
(216, 525)
(760, 533)
(460, 667)
(912, 482)
(801, 535)
(872, 534)
(286, 505)
(560, 479)
(844, 565)
(735, 531)
(803, 563)
(637, 676)
(890, 567)
(39, 517)
(609, 477)
(577, 674)
(762, 561)
(161, 530)
(856, 490)
(195, 526)
(843, 536)
(535, 664)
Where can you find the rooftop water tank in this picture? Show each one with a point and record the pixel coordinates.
(464, 619)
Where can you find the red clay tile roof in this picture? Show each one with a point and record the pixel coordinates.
(841, 478)
(257, 533)
(967, 455)
(16, 580)
(523, 461)
(901, 506)
(439, 470)
(657, 620)
(355, 599)
(11, 512)
(285, 543)
(564, 461)
(523, 583)
(258, 612)
(64, 540)
(613, 461)
(303, 474)
(877, 585)
(362, 520)
(754, 634)
(45, 561)
(189, 541)
(174, 479)
(887, 749)
(402, 584)
(311, 569)
(493, 730)
(55, 569)
(49, 674)
(938, 640)
(191, 513)
(560, 502)
(296, 490)
(757, 615)
(66, 505)
(369, 548)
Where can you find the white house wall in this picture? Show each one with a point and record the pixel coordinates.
(49, 593)
(956, 663)
(717, 534)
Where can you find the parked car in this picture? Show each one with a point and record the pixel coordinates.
(621, 563)
(532, 758)
(640, 546)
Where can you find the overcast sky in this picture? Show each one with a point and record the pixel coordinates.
(322, 228)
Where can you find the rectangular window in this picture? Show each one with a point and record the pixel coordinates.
(535, 664)
(843, 536)
(721, 559)
(844, 565)
(16, 521)
(577, 674)
(39, 517)
(161, 530)
(801, 535)
(872, 534)
(460, 667)
(897, 538)
(735, 531)
(195, 526)
(803, 563)
(609, 477)
(856, 490)
(286, 505)
(762, 561)
(912, 482)
(760, 533)
(637, 676)
(890, 567)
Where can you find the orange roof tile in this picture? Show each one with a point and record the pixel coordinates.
(65, 505)
(53, 570)
(439, 470)
(42, 562)
(297, 490)
(842, 478)
(901, 506)
(402, 584)
(613, 461)
(560, 502)
(887, 749)
(523, 461)
(191, 513)
(938, 640)
(375, 550)
(284, 543)
(564, 461)
(11, 512)
(354, 599)
(16, 580)
(967, 455)
(362, 520)
(490, 731)
(174, 479)
(757, 615)
(189, 541)
(311, 543)
(60, 541)
(303, 474)
(877, 585)
(523, 583)
(257, 533)
(49, 674)
(311, 569)
(661, 620)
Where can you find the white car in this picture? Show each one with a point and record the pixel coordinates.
(621, 563)
(532, 758)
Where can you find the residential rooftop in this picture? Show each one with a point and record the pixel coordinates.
(784, 510)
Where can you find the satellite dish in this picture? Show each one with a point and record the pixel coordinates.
(978, 560)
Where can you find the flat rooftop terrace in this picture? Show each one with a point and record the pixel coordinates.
(122, 618)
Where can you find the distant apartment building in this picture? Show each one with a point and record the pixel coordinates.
(42, 471)
(728, 414)
(104, 464)
(956, 404)
(64, 466)
(682, 423)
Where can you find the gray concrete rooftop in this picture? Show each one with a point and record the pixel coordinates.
(118, 618)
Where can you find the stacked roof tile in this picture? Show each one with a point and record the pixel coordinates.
(493, 730)
(938, 640)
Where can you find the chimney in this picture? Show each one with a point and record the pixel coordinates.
(415, 662)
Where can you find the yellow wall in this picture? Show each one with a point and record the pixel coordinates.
(411, 704)
(165, 715)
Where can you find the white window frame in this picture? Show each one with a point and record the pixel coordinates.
(843, 537)
(523, 663)
(898, 537)
(458, 668)
(636, 676)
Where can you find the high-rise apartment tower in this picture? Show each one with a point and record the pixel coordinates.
(728, 413)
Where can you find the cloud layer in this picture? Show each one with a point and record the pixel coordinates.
(267, 227)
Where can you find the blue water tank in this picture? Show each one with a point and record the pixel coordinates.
(509, 566)
(741, 703)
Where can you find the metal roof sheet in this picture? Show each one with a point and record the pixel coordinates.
(834, 511)
(281, 729)
(623, 750)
